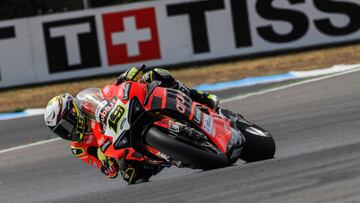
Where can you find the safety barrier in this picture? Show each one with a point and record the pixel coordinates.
(107, 40)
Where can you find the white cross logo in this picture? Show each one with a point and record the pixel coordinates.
(131, 36)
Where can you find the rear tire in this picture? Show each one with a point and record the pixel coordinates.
(194, 156)
(258, 146)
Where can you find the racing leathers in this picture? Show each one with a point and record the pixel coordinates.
(131, 165)
(88, 151)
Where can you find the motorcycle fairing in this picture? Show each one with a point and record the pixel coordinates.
(172, 103)
(176, 104)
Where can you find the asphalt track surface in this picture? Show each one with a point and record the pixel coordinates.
(315, 125)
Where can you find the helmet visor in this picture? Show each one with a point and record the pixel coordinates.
(66, 127)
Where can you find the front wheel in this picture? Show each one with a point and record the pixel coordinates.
(194, 156)
(259, 145)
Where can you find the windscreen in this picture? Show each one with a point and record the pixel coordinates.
(88, 100)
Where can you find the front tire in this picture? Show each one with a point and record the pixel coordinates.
(259, 145)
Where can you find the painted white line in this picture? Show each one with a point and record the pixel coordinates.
(29, 145)
(287, 86)
(25, 114)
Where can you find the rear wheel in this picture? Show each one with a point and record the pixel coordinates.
(191, 155)
(259, 145)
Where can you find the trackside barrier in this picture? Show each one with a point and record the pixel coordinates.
(107, 40)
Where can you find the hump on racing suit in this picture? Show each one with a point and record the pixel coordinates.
(166, 79)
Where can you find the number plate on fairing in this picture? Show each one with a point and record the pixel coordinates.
(113, 117)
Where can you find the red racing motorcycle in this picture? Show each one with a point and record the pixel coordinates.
(166, 126)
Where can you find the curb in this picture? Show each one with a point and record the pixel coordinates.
(23, 114)
(275, 78)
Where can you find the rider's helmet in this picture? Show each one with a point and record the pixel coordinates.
(159, 74)
(133, 74)
(63, 117)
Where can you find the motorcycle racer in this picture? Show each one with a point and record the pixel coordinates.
(73, 119)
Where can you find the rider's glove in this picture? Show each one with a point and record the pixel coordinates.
(109, 166)
(213, 101)
(210, 100)
(138, 171)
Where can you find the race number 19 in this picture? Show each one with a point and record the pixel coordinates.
(115, 117)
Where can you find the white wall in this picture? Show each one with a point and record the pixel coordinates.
(93, 42)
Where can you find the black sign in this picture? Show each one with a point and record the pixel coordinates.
(7, 33)
(299, 20)
(196, 12)
(72, 44)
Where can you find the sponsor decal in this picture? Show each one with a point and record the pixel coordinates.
(113, 119)
(178, 102)
(208, 124)
(103, 110)
(105, 145)
(99, 109)
(126, 92)
(300, 20)
(71, 44)
(77, 151)
(198, 116)
(131, 36)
